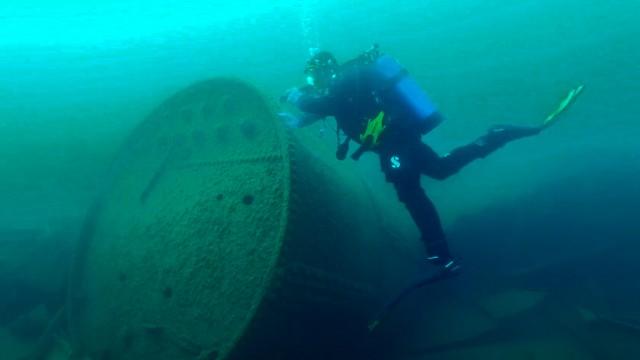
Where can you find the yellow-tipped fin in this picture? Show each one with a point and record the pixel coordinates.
(564, 104)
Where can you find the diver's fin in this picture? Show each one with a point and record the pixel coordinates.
(564, 104)
(439, 276)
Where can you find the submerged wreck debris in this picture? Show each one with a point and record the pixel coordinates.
(511, 302)
(601, 320)
(232, 224)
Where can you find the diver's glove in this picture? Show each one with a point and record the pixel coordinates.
(292, 96)
(290, 120)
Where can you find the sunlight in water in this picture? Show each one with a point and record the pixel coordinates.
(76, 22)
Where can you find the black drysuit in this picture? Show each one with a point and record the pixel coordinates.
(403, 155)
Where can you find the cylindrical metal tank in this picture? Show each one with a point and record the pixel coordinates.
(220, 236)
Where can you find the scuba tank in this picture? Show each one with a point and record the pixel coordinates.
(400, 96)
(397, 94)
(398, 100)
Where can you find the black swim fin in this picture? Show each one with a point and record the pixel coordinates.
(437, 277)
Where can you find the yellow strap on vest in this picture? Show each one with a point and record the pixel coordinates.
(374, 129)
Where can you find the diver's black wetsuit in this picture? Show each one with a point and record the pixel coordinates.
(403, 155)
(413, 158)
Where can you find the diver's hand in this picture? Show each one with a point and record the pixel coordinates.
(291, 96)
(290, 120)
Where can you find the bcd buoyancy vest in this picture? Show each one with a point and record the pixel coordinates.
(402, 103)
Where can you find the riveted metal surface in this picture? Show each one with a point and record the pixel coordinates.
(220, 236)
(188, 232)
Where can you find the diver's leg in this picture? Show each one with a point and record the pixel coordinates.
(425, 216)
(441, 167)
(405, 176)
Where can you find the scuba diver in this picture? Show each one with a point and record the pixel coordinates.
(377, 105)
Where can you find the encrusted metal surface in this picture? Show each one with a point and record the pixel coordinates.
(188, 233)
(221, 237)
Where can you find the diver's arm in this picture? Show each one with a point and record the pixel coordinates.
(305, 100)
(321, 106)
(308, 119)
(298, 120)
(312, 107)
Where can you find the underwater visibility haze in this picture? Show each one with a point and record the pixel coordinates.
(163, 200)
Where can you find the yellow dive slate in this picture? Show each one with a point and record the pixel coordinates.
(374, 129)
(564, 104)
